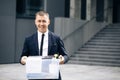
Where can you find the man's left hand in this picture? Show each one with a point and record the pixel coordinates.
(61, 59)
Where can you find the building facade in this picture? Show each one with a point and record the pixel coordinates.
(69, 19)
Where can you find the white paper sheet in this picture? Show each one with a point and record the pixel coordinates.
(33, 65)
(42, 68)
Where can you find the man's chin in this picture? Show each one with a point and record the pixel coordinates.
(42, 31)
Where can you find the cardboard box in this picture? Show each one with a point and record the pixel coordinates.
(38, 67)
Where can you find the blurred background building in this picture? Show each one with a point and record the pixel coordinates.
(77, 22)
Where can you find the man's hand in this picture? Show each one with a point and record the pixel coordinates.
(23, 60)
(61, 59)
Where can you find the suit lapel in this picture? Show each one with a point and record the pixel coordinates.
(49, 42)
(36, 42)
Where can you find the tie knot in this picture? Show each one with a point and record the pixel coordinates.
(43, 34)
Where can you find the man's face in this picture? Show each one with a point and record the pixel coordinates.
(42, 23)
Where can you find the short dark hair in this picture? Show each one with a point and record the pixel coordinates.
(42, 13)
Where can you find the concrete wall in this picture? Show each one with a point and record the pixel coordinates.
(12, 32)
(70, 32)
(74, 34)
(24, 28)
(7, 31)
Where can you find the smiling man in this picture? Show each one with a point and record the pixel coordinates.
(43, 42)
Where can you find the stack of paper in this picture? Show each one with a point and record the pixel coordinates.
(42, 68)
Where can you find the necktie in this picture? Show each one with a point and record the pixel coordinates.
(41, 46)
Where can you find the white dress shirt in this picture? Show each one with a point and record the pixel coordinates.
(45, 43)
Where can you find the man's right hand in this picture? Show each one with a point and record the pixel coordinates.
(23, 60)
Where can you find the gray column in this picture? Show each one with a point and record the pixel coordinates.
(93, 8)
(90, 9)
(75, 8)
(108, 11)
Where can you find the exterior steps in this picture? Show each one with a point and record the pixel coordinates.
(103, 49)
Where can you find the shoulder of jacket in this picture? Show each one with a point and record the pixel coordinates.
(53, 34)
(31, 36)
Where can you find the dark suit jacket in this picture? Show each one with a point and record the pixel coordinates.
(55, 46)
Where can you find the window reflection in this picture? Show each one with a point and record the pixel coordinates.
(28, 8)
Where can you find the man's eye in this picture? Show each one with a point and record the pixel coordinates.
(44, 21)
(39, 20)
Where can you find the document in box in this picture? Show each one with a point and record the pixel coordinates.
(33, 65)
(42, 68)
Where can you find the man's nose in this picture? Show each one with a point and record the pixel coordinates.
(41, 23)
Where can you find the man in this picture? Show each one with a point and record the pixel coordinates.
(52, 44)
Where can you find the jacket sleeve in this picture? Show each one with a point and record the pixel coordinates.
(25, 49)
(62, 51)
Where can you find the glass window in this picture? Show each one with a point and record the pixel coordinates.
(67, 8)
(100, 11)
(83, 9)
(28, 8)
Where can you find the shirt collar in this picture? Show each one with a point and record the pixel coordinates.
(46, 33)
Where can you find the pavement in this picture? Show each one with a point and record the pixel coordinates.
(68, 71)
